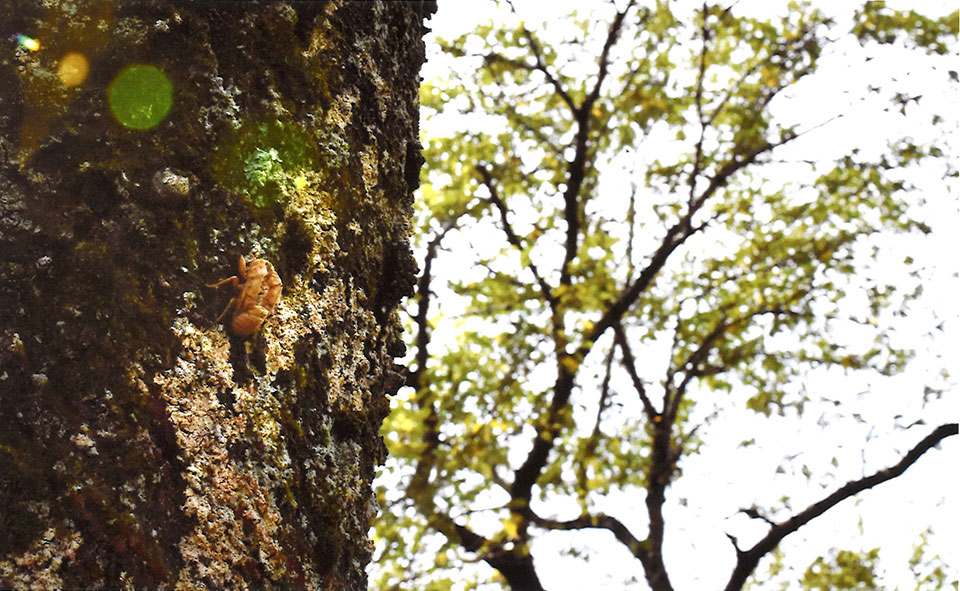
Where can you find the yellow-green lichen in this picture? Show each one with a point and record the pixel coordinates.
(264, 160)
(310, 223)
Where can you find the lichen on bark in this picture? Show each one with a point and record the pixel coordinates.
(141, 445)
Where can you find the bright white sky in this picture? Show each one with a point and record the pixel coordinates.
(724, 477)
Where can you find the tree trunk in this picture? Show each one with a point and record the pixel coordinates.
(144, 148)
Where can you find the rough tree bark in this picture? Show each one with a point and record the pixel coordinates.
(141, 444)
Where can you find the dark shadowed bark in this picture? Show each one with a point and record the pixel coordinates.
(144, 148)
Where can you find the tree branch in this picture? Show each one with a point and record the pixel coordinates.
(608, 44)
(747, 560)
(420, 481)
(639, 548)
(576, 168)
(598, 521)
(698, 101)
(630, 365)
(663, 458)
(423, 308)
(545, 290)
(671, 403)
(515, 564)
(514, 115)
(591, 445)
(631, 229)
(541, 64)
(549, 427)
(675, 236)
(524, 477)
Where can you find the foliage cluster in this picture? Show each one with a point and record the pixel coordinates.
(646, 231)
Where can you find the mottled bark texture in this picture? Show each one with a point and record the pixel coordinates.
(141, 445)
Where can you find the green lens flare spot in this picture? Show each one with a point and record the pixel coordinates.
(140, 96)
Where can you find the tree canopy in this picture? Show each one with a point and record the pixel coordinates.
(642, 228)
